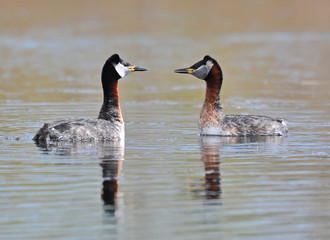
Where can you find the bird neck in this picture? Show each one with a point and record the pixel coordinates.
(213, 87)
(110, 109)
(211, 113)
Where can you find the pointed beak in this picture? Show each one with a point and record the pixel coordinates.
(136, 68)
(184, 70)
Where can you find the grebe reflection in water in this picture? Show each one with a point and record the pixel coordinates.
(109, 155)
(210, 152)
(210, 156)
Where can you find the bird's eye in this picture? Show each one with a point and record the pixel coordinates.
(126, 64)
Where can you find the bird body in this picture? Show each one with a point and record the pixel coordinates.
(83, 130)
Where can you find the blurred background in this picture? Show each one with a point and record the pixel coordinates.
(51, 43)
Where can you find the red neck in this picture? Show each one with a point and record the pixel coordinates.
(110, 109)
(213, 85)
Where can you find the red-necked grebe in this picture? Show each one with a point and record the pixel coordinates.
(108, 126)
(213, 121)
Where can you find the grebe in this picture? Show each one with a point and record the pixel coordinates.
(109, 125)
(213, 121)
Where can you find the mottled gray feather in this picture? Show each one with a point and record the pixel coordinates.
(248, 125)
(86, 130)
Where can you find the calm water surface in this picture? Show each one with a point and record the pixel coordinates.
(165, 182)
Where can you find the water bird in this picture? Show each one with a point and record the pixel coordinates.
(213, 121)
(108, 126)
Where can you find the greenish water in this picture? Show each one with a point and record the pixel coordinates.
(166, 182)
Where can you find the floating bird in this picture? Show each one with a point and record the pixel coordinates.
(108, 126)
(212, 119)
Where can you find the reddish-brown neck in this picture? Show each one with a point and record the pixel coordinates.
(110, 90)
(211, 112)
(110, 109)
(213, 85)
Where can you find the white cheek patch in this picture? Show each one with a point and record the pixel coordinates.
(122, 70)
(209, 65)
(203, 70)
